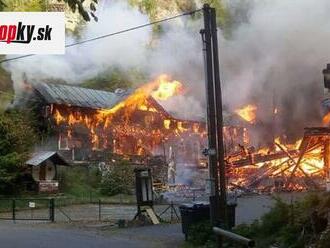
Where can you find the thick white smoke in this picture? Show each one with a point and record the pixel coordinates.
(279, 54)
(177, 52)
(86, 61)
(274, 57)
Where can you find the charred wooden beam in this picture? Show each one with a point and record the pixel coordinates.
(260, 158)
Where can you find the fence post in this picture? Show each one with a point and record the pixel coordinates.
(52, 210)
(14, 209)
(171, 211)
(100, 214)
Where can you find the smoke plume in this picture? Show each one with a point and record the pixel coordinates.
(86, 61)
(273, 57)
(276, 58)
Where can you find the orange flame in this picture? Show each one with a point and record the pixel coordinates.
(326, 119)
(248, 113)
(166, 88)
(311, 164)
(161, 89)
(167, 124)
(58, 117)
(99, 122)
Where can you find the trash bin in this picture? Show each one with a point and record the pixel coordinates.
(192, 214)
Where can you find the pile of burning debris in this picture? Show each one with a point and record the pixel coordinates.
(283, 167)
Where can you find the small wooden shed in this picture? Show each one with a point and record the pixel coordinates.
(44, 169)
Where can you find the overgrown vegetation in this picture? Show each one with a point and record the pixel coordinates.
(290, 225)
(201, 234)
(88, 182)
(287, 225)
(79, 181)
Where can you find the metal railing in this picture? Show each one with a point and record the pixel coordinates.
(234, 237)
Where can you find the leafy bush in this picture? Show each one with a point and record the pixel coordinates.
(119, 180)
(290, 225)
(80, 181)
(201, 233)
(295, 225)
(9, 173)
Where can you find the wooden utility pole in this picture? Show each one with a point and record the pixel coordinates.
(219, 118)
(211, 117)
(215, 150)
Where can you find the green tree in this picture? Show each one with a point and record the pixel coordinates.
(2, 5)
(157, 9)
(41, 5)
(222, 11)
(17, 136)
(86, 13)
(6, 88)
(24, 5)
(115, 78)
(119, 180)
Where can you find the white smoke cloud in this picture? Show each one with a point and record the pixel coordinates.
(281, 49)
(278, 51)
(85, 61)
(177, 52)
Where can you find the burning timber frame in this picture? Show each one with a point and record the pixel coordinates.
(81, 120)
(316, 142)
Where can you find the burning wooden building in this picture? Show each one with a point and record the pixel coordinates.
(87, 121)
(91, 124)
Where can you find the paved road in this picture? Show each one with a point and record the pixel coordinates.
(45, 236)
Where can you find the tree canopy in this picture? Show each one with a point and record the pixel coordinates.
(115, 78)
(17, 137)
(86, 13)
(27, 5)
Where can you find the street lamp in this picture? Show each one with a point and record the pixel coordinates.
(326, 75)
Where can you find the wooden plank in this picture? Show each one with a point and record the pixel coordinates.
(260, 158)
(152, 216)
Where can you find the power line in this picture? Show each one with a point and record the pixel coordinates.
(111, 34)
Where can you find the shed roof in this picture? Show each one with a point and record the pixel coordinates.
(40, 157)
